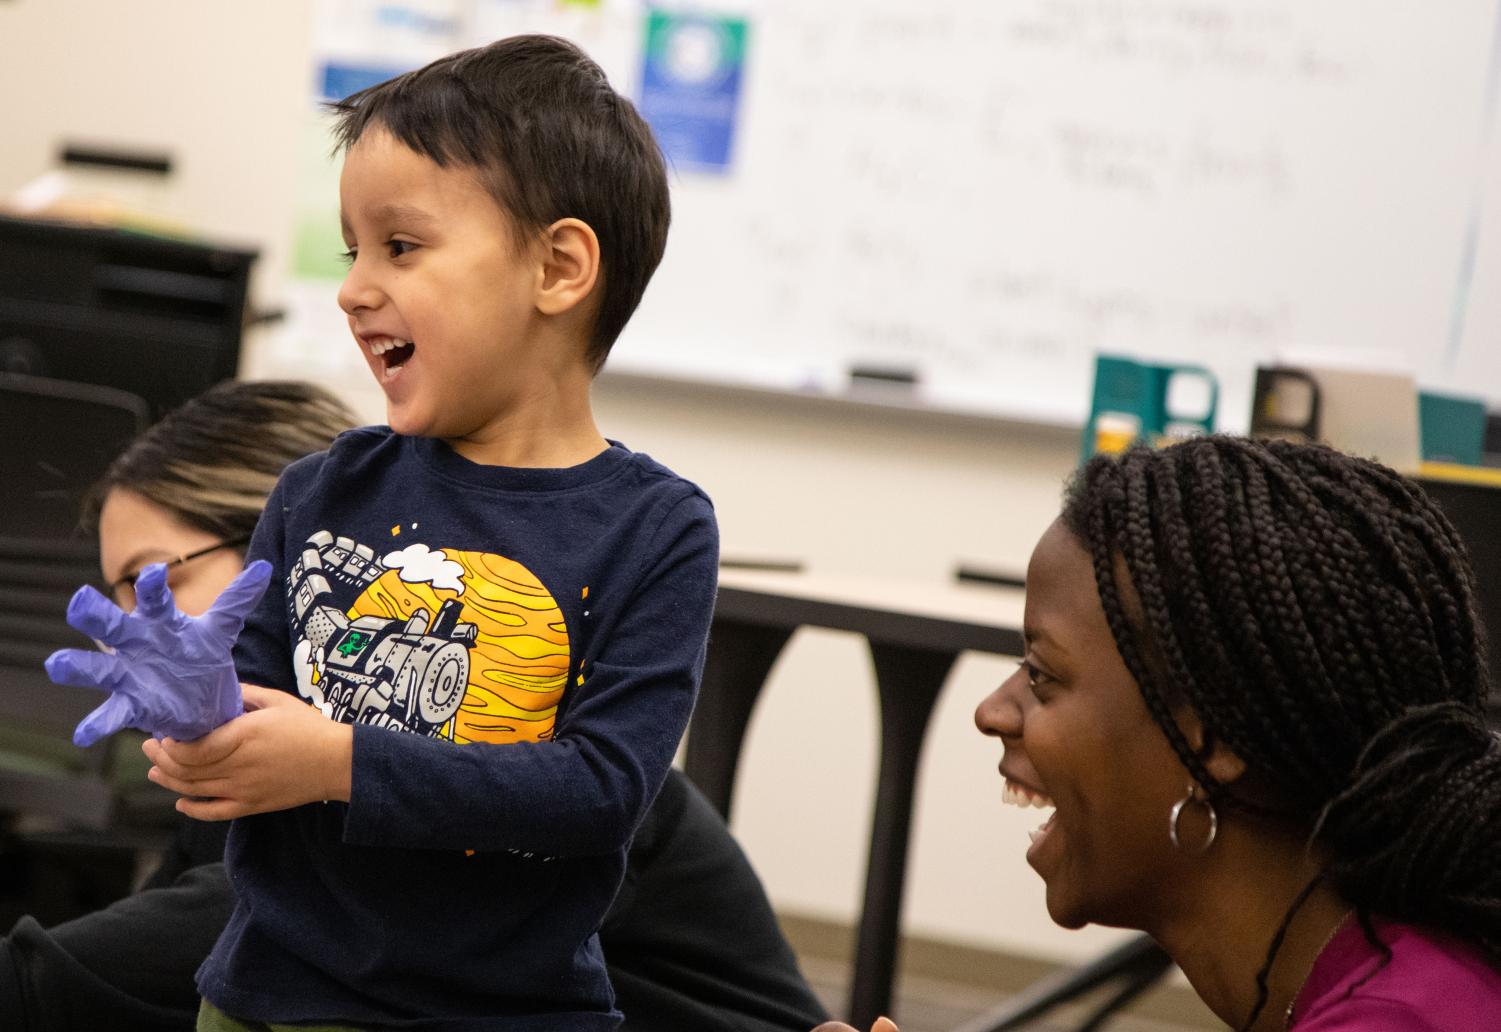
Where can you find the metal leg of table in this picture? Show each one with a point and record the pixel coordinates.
(740, 656)
(908, 681)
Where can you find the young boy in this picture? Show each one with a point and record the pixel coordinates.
(498, 617)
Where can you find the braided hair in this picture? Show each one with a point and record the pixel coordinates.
(1316, 611)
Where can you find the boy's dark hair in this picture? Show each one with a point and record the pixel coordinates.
(550, 138)
(1317, 612)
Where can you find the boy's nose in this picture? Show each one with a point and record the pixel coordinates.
(357, 291)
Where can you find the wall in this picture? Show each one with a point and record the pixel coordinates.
(847, 489)
(222, 87)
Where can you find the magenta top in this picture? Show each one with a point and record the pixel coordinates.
(1433, 983)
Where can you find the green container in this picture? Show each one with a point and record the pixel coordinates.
(1145, 401)
(1451, 428)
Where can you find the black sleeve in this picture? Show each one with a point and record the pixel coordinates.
(128, 966)
(691, 941)
(194, 843)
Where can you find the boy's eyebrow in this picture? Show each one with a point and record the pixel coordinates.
(403, 213)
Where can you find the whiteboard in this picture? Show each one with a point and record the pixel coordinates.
(987, 193)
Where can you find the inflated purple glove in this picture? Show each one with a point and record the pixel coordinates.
(170, 674)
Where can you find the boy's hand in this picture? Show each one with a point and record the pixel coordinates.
(282, 753)
(169, 673)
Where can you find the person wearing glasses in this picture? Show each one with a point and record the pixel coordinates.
(691, 941)
(131, 510)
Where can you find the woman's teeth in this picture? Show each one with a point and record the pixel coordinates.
(1014, 794)
(1041, 830)
(1018, 795)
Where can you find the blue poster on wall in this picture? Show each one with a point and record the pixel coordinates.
(690, 86)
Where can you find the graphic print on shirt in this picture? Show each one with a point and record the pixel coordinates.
(464, 646)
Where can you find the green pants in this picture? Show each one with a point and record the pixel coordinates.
(212, 1019)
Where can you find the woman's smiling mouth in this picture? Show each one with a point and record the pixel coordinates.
(1015, 793)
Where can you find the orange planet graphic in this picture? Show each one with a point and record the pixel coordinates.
(518, 666)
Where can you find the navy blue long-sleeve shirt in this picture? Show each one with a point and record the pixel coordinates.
(518, 651)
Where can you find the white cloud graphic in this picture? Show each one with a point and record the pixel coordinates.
(419, 564)
(302, 666)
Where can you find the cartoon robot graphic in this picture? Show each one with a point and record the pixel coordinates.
(408, 674)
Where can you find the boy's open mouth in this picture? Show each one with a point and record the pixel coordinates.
(392, 352)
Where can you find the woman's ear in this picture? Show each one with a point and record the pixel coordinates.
(1219, 760)
(570, 266)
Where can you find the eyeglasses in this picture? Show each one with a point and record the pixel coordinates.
(129, 580)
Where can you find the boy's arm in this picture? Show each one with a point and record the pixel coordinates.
(584, 792)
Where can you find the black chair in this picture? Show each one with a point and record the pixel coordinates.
(59, 438)
(1133, 969)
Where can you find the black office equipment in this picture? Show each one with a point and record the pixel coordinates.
(1475, 511)
(159, 318)
(1491, 454)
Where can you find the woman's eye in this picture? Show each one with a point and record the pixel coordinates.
(1037, 680)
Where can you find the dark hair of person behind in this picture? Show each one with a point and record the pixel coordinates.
(550, 138)
(1317, 612)
(212, 462)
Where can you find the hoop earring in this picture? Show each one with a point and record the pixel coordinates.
(1177, 812)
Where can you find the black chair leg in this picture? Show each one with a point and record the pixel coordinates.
(1141, 960)
(1146, 975)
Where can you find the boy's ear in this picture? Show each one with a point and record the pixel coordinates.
(570, 266)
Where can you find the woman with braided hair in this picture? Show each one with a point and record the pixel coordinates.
(1253, 691)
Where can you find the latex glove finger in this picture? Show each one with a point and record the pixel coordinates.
(97, 617)
(227, 615)
(117, 712)
(153, 597)
(84, 668)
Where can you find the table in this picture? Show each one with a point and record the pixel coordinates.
(915, 631)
